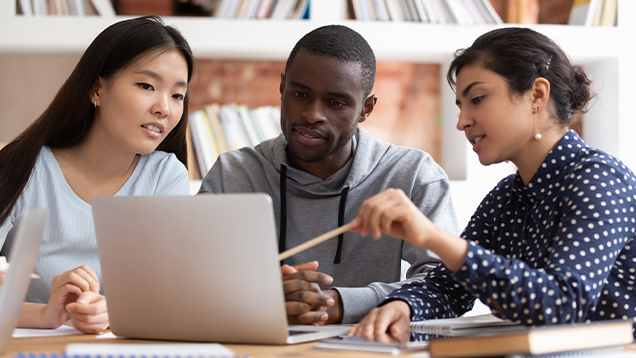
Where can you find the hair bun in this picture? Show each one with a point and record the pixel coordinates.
(580, 90)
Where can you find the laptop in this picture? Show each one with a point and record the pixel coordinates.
(24, 253)
(196, 268)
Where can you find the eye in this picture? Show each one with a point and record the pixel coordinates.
(178, 96)
(145, 86)
(299, 95)
(336, 103)
(477, 99)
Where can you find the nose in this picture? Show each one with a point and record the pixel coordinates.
(161, 106)
(463, 121)
(314, 112)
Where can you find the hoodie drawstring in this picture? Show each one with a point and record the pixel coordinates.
(283, 211)
(283, 215)
(341, 213)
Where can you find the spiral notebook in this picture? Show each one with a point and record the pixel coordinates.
(198, 350)
(463, 326)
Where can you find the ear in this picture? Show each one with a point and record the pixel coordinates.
(96, 91)
(540, 92)
(282, 84)
(367, 107)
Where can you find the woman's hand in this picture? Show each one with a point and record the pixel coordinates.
(65, 289)
(390, 323)
(393, 213)
(89, 313)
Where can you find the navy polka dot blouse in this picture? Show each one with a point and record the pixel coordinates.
(557, 250)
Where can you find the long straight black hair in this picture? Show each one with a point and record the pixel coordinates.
(69, 118)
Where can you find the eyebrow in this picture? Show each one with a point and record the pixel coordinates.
(332, 94)
(469, 87)
(158, 77)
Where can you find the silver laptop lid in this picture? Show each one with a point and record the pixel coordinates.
(196, 268)
(24, 253)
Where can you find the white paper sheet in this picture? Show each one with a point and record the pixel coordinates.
(27, 332)
(107, 335)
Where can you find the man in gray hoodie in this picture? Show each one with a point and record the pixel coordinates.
(321, 169)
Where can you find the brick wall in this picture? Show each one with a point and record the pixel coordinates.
(407, 112)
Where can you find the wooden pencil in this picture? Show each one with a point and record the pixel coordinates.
(313, 242)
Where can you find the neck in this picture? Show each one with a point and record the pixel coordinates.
(532, 155)
(98, 159)
(325, 168)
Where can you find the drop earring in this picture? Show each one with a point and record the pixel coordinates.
(535, 108)
(95, 103)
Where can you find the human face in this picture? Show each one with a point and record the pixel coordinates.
(497, 124)
(321, 105)
(139, 106)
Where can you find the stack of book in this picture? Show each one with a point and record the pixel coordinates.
(593, 13)
(262, 9)
(218, 129)
(461, 12)
(65, 7)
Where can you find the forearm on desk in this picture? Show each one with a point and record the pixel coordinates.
(33, 315)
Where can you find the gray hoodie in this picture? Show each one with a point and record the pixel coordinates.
(365, 271)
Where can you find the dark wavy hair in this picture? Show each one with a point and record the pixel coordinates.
(69, 118)
(521, 55)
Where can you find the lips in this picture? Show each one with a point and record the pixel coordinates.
(153, 128)
(475, 140)
(308, 136)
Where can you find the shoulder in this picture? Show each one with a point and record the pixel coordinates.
(161, 174)
(594, 166)
(398, 159)
(159, 161)
(417, 161)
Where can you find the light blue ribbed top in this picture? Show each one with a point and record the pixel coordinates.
(69, 238)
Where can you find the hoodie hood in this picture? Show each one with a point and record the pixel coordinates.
(351, 175)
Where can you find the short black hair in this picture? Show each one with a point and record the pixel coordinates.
(342, 43)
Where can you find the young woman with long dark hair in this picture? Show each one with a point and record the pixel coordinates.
(550, 244)
(116, 127)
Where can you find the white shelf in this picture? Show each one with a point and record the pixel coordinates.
(605, 51)
(274, 39)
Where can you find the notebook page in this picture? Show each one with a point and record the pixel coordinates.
(462, 325)
(149, 350)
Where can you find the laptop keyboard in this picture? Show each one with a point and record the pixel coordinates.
(295, 333)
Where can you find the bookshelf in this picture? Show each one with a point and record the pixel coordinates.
(605, 51)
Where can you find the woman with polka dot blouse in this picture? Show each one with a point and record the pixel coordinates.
(550, 244)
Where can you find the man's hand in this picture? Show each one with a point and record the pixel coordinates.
(390, 323)
(305, 302)
(88, 313)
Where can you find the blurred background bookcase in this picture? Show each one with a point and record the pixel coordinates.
(237, 51)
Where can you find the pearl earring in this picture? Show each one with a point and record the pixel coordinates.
(95, 103)
(535, 107)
